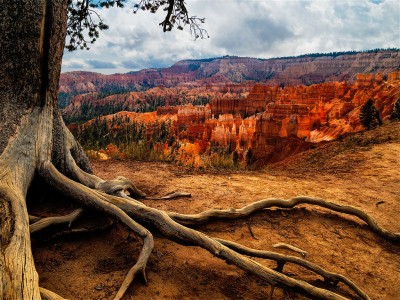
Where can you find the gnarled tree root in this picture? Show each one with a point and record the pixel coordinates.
(124, 208)
(34, 219)
(43, 223)
(120, 186)
(117, 186)
(172, 195)
(215, 214)
(50, 221)
(95, 199)
(290, 247)
(112, 197)
(282, 259)
(49, 295)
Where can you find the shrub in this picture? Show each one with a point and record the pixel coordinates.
(113, 152)
(143, 151)
(219, 161)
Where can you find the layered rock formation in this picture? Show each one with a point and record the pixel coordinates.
(254, 103)
(306, 69)
(322, 112)
(190, 114)
(274, 122)
(85, 106)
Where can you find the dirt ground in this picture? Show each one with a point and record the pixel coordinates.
(92, 266)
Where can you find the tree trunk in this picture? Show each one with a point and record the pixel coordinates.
(34, 141)
(32, 40)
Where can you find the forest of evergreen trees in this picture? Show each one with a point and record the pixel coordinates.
(135, 140)
(91, 107)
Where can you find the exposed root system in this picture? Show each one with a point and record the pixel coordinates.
(137, 216)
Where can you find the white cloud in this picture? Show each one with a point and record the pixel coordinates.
(246, 28)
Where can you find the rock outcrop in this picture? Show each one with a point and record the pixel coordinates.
(301, 115)
(274, 122)
(254, 103)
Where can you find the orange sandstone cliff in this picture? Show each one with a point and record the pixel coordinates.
(274, 121)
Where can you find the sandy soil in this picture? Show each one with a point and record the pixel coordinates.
(92, 266)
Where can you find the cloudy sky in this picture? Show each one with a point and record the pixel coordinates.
(252, 28)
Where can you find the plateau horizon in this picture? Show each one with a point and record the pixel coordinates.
(261, 29)
(106, 68)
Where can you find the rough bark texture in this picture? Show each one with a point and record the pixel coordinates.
(32, 41)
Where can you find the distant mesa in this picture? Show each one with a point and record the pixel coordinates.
(304, 69)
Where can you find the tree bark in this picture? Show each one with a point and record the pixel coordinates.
(32, 40)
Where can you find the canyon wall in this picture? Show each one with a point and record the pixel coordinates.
(274, 121)
(294, 118)
(301, 115)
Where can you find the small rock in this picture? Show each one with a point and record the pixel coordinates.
(99, 287)
(159, 254)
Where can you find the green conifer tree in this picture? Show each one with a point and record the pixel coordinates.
(249, 156)
(235, 158)
(369, 116)
(396, 111)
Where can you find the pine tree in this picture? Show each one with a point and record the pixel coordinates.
(369, 116)
(249, 156)
(396, 111)
(235, 158)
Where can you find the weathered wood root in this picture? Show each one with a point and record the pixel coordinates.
(171, 225)
(96, 200)
(232, 213)
(282, 259)
(34, 219)
(251, 231)
(80, 230)
(50, 221)
(117, 186)
(69, 231)
(141, 263)
(172, 195)
(49, 295)
(290, 247)
(271, 292)
(122, 207)
(14, 241)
